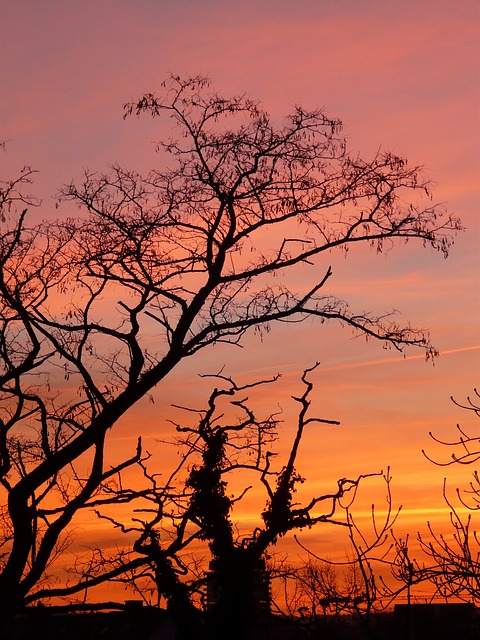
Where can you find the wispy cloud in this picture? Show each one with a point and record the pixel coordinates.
(400, 358)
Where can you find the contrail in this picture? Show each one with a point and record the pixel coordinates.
(371, 363)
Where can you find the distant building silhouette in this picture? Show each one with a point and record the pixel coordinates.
(445, 621)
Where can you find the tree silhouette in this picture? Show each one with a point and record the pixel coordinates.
(321, 589)
(199, 503)
(99, 308)
(456, 559)
(449, 560)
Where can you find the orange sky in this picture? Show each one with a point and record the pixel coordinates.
(401, 75)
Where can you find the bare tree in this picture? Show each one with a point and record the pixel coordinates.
(450, 560)
(198, 506)
(98, 309)
(466, 452)
(453, 564)
(405, 569)
(322, 589)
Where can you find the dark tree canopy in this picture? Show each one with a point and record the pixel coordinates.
(97, 309)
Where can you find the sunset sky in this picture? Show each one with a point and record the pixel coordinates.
(403, 76)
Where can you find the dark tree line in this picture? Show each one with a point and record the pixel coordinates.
(186, 255)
